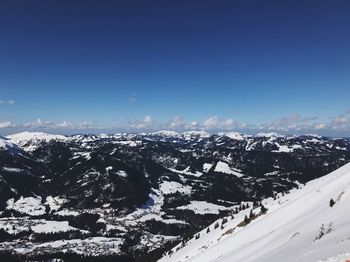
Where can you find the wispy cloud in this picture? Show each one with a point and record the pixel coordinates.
(214, 122)
(341, 122)
(7, 102)
(6, 124)
(146, 123)
(291, 122)
(132, 98)
(294, 123)
(45, 124)
(177, 122)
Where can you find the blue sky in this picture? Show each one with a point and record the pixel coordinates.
(249, 66)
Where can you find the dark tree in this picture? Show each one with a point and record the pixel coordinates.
(263, 209)
(216, 225)
(251, 214)
(246, 219)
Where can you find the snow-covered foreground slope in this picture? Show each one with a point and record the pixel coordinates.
(299, 226)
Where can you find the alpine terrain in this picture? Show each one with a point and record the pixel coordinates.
(174, 196)
(307, 224)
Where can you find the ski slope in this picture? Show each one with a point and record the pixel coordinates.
(288, 231)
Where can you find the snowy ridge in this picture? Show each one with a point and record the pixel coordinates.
(192, 134)
(5, 143)
(167, 133)
(234, 135)
(30, 140)
(300, 226)
(272, 134)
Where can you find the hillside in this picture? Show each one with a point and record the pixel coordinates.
(299, 226)
(133, 196)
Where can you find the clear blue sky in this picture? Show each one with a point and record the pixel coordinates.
(110, 64)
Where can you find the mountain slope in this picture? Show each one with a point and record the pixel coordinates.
(299, 226)
(150, 191)
(30, 141)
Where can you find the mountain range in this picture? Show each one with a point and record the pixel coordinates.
(135, 196)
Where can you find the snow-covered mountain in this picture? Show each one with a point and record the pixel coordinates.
(308, 224)
(135, 195)
(30, 141)
(5, 144)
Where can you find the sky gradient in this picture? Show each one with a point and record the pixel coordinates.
(109, 66)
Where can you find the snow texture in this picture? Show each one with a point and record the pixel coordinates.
(299, 226)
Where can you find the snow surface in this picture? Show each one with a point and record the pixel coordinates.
(129, 143)
(12, 169)
(186, 171)
(286, 149)
(86, 155)
(151, 210)
(45, 226)
(203, 207)
(15, 225)
(224, 168)
(206, 167)
(287, 232)
(5, 143)
(170, 187)
(166, 133)
(122, 173)
(33, 138)
(109, 168)
(66, 212)
(27, 205)
(191, 134)
(234, 135)
(267, 135)
(54, 202)
(93, 246)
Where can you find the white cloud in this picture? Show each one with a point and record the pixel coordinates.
(215, 123)
(320, 125)
(38, 124)
(43, 124)
(341, 122)
(147, 122)
(6, 124)
(292, 124)
(211, 122)
(176, 123)
(192, 125)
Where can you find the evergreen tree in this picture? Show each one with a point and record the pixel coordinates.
(251, 214)
(263, 209)
(246, 219)
(216, 225)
